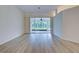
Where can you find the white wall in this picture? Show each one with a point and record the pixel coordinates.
(51, 25)
(71, 24)
(11, 23)
(36, 14)
(66, 24)
(57, 25)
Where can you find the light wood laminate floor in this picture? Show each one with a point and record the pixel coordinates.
(39, 43)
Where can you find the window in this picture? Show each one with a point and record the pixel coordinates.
(40, 24)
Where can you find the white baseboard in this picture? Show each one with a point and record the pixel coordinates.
(67, 39)
(71, 40)
(10, 39)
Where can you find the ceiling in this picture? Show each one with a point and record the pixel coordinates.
(37, 9)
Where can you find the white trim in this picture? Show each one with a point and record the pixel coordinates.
(10, 39)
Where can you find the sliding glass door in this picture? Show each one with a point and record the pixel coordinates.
(39, 24)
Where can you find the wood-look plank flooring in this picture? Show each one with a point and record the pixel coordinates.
(39, 43)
